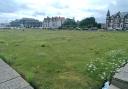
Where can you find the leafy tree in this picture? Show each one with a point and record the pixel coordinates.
(99, 25)
(69, 23)
(88, 23)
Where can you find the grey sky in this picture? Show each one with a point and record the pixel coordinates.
(15, 9)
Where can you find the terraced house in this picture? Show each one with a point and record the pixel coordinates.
(54, 22)
(118, 21)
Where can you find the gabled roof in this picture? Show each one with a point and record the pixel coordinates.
(122, 14)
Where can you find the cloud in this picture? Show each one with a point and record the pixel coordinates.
(39, 14)
(59, 5)
(14, 9)
(118, 5)
(10, 6)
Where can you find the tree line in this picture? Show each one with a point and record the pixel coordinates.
(85, 24)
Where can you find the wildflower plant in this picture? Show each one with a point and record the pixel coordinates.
(104, 67)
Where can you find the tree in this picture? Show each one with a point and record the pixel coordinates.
(69, 23)
(99, 25)
(88, 23)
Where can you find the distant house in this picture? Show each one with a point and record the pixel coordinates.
(26, 22)
(4, 25)
(118, 21)
(54, 22)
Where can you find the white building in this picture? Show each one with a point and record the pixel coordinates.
(54, 22)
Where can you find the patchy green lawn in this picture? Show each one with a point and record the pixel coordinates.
(64, 59)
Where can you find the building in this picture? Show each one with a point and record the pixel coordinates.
(54, 22)
(26, 22)
(118, 21)
(4, 25)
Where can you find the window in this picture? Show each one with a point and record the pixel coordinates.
(126, 20)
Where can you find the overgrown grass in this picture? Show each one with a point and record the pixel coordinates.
(106, 66)
(64, 59)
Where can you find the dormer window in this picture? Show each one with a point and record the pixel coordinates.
(117, 16)
(126, 20)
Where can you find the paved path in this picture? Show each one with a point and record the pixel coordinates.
(123, 73)
(113, 87)
(10, 79)
(120, 79)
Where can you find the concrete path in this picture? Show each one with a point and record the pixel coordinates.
(10, 79)
(113, 87)
(120, 79)
(122, 73)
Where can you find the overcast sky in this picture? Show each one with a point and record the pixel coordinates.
(15, 9)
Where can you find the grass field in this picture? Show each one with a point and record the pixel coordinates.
(64, 59)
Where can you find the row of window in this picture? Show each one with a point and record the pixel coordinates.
(118, 20)
(118, 25)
